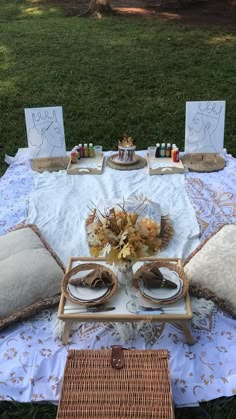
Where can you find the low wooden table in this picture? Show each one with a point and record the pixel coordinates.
(179, 312)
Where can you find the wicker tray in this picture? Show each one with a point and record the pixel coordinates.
(93, 389)
(85, 267)
(177, 267)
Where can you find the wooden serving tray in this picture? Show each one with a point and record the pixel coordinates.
(118, 304)
(169, 168)
(87, 165)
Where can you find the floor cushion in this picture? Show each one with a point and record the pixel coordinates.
(211, 269)
(30, 274)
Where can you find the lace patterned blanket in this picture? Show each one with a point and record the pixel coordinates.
(32, 359)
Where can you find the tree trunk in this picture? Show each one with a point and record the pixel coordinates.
(99, 8)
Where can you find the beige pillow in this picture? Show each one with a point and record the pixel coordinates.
(30, 275)
(211, 269)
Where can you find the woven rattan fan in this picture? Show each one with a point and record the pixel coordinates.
(87, 267)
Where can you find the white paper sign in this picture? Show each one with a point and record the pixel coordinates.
(45, 132)
(204, 127)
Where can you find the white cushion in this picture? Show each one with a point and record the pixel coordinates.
(29, 275)
(211, 269)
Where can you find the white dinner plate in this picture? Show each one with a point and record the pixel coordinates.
(81, 293)
(164, 293)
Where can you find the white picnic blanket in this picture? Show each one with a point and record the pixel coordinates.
(32, 359)
(59, 205)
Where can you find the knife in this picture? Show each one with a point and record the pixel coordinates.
(157, 308)
(143, 308)
(90, 309)
(160, 310)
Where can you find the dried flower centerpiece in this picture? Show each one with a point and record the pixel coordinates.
(124, 235)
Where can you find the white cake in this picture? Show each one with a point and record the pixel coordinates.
(126, 150)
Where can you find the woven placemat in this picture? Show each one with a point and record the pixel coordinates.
(139, 164)
(87, 267)
(172, 267)
(203, 162)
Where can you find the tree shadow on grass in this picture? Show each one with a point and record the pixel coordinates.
(200, 12)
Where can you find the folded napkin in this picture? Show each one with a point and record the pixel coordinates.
(154, 279)
(97, 278)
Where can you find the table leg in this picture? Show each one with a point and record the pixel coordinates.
(67, 330)
(187, 332)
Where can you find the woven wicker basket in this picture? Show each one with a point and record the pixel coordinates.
(177, 267)
(86, 267)
(93, 389)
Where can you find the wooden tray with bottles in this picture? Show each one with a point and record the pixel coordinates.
(163, 166)
(87, 165)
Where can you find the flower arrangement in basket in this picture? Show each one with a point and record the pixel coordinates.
(122, 234)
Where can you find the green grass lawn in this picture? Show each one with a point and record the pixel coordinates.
(222, 408)
(111, 76)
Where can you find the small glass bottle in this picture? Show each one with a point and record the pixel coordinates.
(80, 150)
(163, 150)
(91, 150)
(73, 156)
(172, 150)
(157, 150)
(86, 150)
(168, 150)
(77, 149)
(176, 155)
